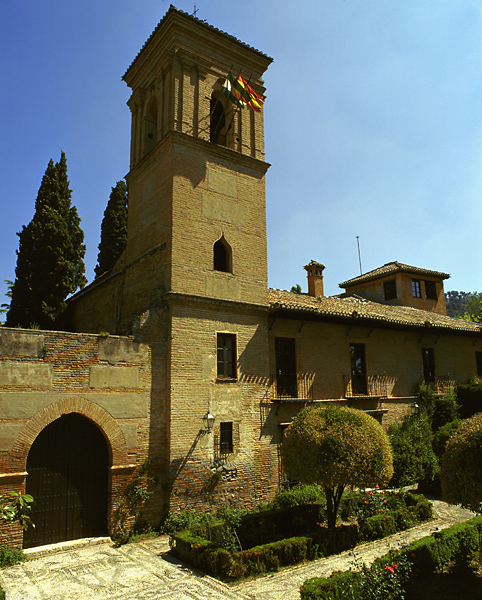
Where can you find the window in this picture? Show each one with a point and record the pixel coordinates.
(428, 365)
(358, 369)
(285, 355)
(390, 289)
(416, 288)
(222, 256)
(226, 438)
(478, 359)
(226, 356)
(431, 290)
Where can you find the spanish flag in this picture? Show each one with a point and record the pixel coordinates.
(240, 93)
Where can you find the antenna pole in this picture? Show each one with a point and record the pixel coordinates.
(359, 255)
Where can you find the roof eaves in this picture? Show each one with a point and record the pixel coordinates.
(172, 9)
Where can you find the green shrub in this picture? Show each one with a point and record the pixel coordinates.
(329, 541)
(378, 526)
(413, 456)
(442, 435)
(10, 556)
(446, 409)
(299, 494)
(185, 520)
(469, 397)
(461, 468)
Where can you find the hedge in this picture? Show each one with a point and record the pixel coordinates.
(427, 555)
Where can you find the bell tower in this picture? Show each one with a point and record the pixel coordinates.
(197, 217)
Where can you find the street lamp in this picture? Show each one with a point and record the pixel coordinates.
(208, 422)
(415, 409)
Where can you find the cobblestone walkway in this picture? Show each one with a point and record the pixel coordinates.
(143, 571)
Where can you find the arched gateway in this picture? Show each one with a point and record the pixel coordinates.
(68, 470)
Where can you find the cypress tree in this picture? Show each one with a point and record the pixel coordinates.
(50, 263)
(113, 234)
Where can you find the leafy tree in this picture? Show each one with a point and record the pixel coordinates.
(461, 472)
(455, 302)
(50, 256)
(113, 230)
(336, 447)
(473, 308)
(4, 307)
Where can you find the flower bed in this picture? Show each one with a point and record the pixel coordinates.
(398, 571)
(265, 541)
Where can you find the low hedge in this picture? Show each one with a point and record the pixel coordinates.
(425, 556)
(204, 555)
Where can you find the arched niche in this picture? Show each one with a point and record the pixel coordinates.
(222, 256)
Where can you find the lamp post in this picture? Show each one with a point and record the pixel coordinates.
(415, 409)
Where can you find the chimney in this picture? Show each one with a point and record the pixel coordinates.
(315, 278)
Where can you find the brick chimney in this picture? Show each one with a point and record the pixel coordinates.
(315, 278)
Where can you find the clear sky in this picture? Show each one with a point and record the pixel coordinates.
(373, 124)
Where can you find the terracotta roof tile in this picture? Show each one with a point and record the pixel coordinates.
(173, 9)
(355, 307)
(392, 267)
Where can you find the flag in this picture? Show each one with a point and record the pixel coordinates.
(233, 91)
(252, 98)
(240, 93)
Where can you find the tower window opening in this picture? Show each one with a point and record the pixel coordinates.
(223, 256)
(150, 127)
(221, 120)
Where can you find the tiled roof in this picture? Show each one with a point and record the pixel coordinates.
(358, 308)
(173, 9)
(388, 269)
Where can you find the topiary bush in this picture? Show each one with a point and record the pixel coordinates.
(336, 447)
(461, 469)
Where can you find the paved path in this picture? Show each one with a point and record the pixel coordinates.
(143, 570)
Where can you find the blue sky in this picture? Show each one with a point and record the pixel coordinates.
(373, 124)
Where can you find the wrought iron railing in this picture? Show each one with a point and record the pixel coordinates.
(291, 386)
(444, 384)
(369, 385)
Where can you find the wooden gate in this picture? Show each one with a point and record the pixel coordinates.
(68, 477)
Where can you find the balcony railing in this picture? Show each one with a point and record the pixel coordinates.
(445, 384)
(369, 385)
(291, 386)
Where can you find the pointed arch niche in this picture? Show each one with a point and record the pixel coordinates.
(222, 256)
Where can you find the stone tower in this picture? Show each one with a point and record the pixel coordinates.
(192, 280)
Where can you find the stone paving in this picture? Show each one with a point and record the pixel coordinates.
(144, 571)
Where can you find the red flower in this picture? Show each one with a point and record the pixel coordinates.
(390, 569)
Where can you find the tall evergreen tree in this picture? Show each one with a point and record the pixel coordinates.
(50, 256)
(113, 234)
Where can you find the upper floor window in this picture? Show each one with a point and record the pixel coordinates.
(222, 256)
(226, 355)
(358, 369)
(390, 289)
(431, 290)
(428, 361)
(416, 292)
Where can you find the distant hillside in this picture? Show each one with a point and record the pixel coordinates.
(456, 302)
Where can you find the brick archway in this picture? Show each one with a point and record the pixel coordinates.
(94, 412)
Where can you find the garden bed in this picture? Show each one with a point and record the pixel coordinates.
(263, 542)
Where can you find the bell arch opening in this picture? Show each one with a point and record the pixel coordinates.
(221, 120)
(68, 476)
